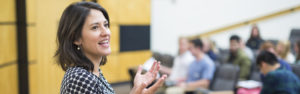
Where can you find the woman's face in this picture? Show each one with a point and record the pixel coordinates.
(255, 32)
(95, 35)
(280, 48)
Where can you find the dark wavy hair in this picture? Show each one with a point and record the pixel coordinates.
(258, 32)
(70, 29)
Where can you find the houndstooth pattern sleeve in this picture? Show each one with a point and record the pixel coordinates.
(79, 81)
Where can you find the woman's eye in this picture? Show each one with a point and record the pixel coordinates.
(106, 25)
(95, 27)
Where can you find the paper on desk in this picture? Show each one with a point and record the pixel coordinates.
(249, 84)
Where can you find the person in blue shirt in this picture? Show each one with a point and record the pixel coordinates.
(284, 64)
(201, 70)
(276, 80)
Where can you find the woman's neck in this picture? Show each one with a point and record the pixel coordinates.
(96, 62)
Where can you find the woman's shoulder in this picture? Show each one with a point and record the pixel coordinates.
(77, 79)
(79, 73)
(76, 70)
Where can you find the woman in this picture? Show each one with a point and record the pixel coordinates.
(255, 39)
(83, 44)
(283, 51)
(210, 49)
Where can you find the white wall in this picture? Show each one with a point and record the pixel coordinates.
(173, 18)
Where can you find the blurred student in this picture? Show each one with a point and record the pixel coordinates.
(297, 49)
(255, 39)
(239, 58)
(283, 51)
(209, 49)
(276, 80)
(268, 46)
(182, 61)
(201, 70)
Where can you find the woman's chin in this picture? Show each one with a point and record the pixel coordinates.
(106, 52)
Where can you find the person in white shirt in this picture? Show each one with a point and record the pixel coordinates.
(182, 61)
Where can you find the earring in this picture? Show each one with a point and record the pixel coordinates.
(78, 48)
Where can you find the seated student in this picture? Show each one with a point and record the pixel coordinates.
(283, 51)
(201, 70)
(268, 46)
(182, 61)
(239, 58)
(210, 49)
(276, 80)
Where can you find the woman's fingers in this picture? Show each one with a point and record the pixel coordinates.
(158, 84)
(139, 71)
(143, 85)
(153, 66)
(155, 72)
(157, 68)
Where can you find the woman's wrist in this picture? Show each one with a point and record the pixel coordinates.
(135, 90)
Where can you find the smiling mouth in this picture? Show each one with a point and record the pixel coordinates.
(104, 43)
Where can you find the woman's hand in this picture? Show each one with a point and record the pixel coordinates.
(141, 81)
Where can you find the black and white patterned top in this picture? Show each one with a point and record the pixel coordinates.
(80, 81)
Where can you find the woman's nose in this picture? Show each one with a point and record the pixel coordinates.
(105, 32)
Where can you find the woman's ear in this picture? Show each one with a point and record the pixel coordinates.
(77, 42)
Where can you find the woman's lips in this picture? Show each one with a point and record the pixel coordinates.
(104, 44)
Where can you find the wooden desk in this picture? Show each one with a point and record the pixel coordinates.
(179, 90)
(222, 92)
